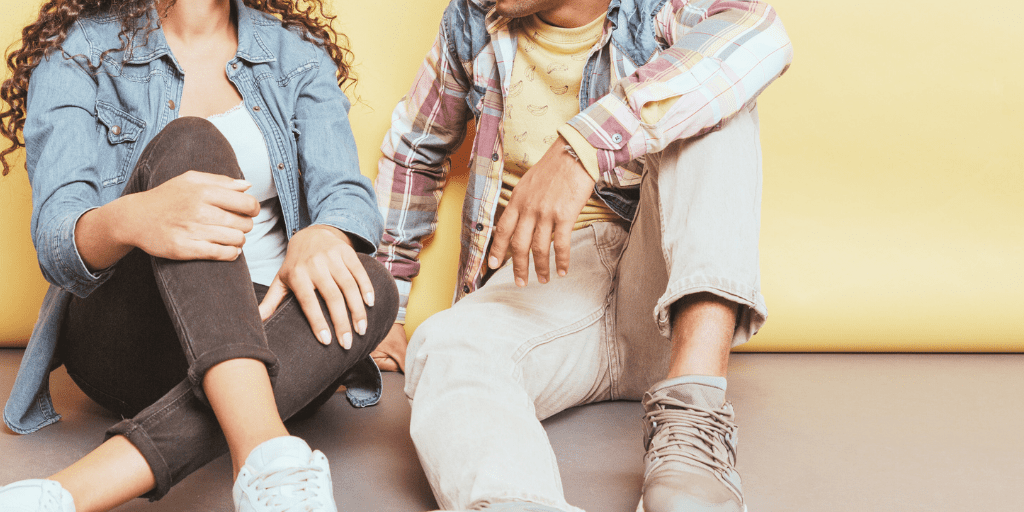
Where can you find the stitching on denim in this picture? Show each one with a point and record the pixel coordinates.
(174, 405)
(176, 314)
(284, 80)
(274, 318)
(531, 344)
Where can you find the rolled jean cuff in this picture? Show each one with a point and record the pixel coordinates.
(751, 315)
(139, 438)
(222, 353)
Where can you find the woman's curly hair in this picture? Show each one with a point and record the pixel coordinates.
(56, 18)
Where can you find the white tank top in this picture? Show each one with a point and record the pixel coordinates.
(266, 244)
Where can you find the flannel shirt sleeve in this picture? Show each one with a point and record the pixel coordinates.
(428, 124)
(719, 56)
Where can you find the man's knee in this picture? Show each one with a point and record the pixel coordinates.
(445, 344)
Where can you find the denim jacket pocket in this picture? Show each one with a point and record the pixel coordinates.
(123, 131)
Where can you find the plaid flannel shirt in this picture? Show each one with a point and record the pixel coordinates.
(712, 57)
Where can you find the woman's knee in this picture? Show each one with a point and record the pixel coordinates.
(188, 144)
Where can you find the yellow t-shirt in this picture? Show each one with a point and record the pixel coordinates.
(544, 93)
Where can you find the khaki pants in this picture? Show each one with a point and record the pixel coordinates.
(482, 374)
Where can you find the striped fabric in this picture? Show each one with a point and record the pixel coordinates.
(716, 57)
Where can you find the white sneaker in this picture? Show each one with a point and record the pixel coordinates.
(283, 474)
(35, 496)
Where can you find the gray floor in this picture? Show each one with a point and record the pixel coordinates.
(836, 432)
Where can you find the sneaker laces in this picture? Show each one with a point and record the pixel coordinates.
(293, 489)
(678, 426)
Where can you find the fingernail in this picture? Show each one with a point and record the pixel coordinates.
(520, 282)
(346, 340)
(561, 273)
(369, 299)
(243, 183)
(361, 327)
(493, 262)
(325, 337)
(239, 253)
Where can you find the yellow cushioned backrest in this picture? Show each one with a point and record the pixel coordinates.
(893, 215)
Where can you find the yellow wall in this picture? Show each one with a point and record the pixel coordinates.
(894, 174)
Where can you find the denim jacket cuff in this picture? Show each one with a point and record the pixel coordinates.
(65, 262)
(362, 236)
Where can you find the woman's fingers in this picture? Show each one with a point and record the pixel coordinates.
(302, 286)
(326, 283)
(275, 295)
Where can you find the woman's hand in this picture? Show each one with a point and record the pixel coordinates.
(321, 258)
(194, 216)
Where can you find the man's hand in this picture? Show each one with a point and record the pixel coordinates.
(321, 258)
(390, 354)
(546, 201)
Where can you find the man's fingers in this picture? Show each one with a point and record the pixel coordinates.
(563, 241)
(522, 240)
(275, 294)
(502, 235)
(542, 251)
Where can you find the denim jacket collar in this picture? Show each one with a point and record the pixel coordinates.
(250, 46)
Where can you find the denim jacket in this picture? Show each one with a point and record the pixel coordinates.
(85, 130)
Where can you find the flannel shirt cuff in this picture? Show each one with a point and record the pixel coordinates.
(614, 130)
(404, 288)
(584, 150)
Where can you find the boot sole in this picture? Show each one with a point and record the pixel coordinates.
(640, 506)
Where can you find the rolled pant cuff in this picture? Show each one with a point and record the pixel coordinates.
(138, 436)
(522, 498)
(749, 319)
(218, 355)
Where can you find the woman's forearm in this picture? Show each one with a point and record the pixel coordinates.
(101, 235)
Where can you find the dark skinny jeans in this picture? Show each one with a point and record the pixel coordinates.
(141, 343)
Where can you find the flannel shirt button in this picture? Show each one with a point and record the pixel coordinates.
(617, 138)
(479, 226)
(465, 288)
(494, 157)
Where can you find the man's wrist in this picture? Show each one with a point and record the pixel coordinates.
(580, 149)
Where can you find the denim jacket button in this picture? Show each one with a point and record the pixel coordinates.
(256, 108)
(280, 166)
(116, 130)
(170, 104)
(234, 65)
